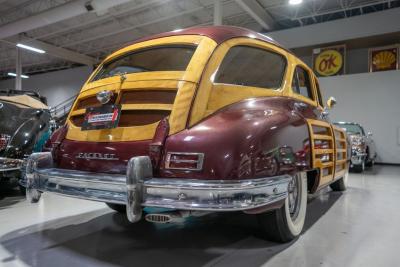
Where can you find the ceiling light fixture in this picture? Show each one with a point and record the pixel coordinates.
(37, 50)
(295, 2)
(15, 75)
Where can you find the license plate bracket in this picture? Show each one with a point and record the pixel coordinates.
(101, 117)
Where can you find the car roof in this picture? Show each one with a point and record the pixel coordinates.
(13, 92)
(217, 33)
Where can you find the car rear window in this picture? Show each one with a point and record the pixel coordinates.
(161, 58)
(251, 66)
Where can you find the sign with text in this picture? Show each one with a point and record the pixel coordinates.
(102, 117)
(329, 61)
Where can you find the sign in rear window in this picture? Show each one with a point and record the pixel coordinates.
(103, 117)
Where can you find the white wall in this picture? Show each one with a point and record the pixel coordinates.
(56, 86)
(376, 23)
(373, 100)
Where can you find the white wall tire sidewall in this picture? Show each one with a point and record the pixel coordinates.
(345, 178)
(296, 226)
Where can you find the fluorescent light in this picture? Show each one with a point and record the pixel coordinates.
(37, 50)
(15, 75)
(295, 2)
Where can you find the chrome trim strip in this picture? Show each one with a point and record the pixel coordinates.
(358, 159)
(140, 189)
(199, 165)
(9, 164)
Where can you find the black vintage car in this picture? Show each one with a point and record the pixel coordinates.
(24, 128)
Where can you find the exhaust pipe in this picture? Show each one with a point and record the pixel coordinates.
(172, 217)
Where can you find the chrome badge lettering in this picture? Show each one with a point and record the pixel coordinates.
(98, 156)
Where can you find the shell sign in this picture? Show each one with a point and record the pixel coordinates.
(329, 61)
(383, 58)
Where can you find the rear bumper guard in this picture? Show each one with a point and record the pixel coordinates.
(138, 188)
(357, 158)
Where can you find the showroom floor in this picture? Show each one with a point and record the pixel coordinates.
(357, 228)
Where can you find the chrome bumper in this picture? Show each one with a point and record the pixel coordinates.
(8, 164)
(138, 188)
(357, 158)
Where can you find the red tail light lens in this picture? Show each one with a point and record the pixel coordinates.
(4, 139)
(184, 161)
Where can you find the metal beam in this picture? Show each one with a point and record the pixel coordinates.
(129, 28)
(60, 52)
(18, 70)
(217, 12)
(111, 15)
(257, 12)
(65, 11)
(378, 23)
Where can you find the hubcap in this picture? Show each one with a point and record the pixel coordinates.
(294, 196)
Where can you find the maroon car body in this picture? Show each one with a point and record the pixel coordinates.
(256, 143)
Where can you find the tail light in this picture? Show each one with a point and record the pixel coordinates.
(4, 139)
(155, 148)
(184, 161)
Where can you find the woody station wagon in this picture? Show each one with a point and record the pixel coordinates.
(209, 119)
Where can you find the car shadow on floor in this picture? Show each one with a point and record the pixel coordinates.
(10, 197)
(224, 239)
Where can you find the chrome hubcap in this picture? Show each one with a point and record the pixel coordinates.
(294, 196)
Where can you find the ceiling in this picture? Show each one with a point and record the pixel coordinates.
(96, 34)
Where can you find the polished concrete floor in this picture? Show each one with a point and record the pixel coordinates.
(357, 228)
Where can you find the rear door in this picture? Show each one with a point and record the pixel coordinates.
(321, 133)
(338, 144)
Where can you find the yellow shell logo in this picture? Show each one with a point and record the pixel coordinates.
(384, 60)
(329, 62)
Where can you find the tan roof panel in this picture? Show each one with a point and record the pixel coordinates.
(25, 100)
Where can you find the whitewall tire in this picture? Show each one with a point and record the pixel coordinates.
(341, 184)
(286, 223)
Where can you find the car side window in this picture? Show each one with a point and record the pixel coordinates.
(320, 100)
(301, 83)
(252, 66)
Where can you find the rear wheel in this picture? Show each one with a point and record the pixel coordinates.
(359, 168)
(286, 223)
(370, 164)
(368, 161)
(341, 184)
(22, 190)
(117, 207)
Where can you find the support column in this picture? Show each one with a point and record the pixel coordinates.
(217, 12)
(18, 70)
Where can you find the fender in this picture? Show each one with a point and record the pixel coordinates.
(252, 138)
(24, 138)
